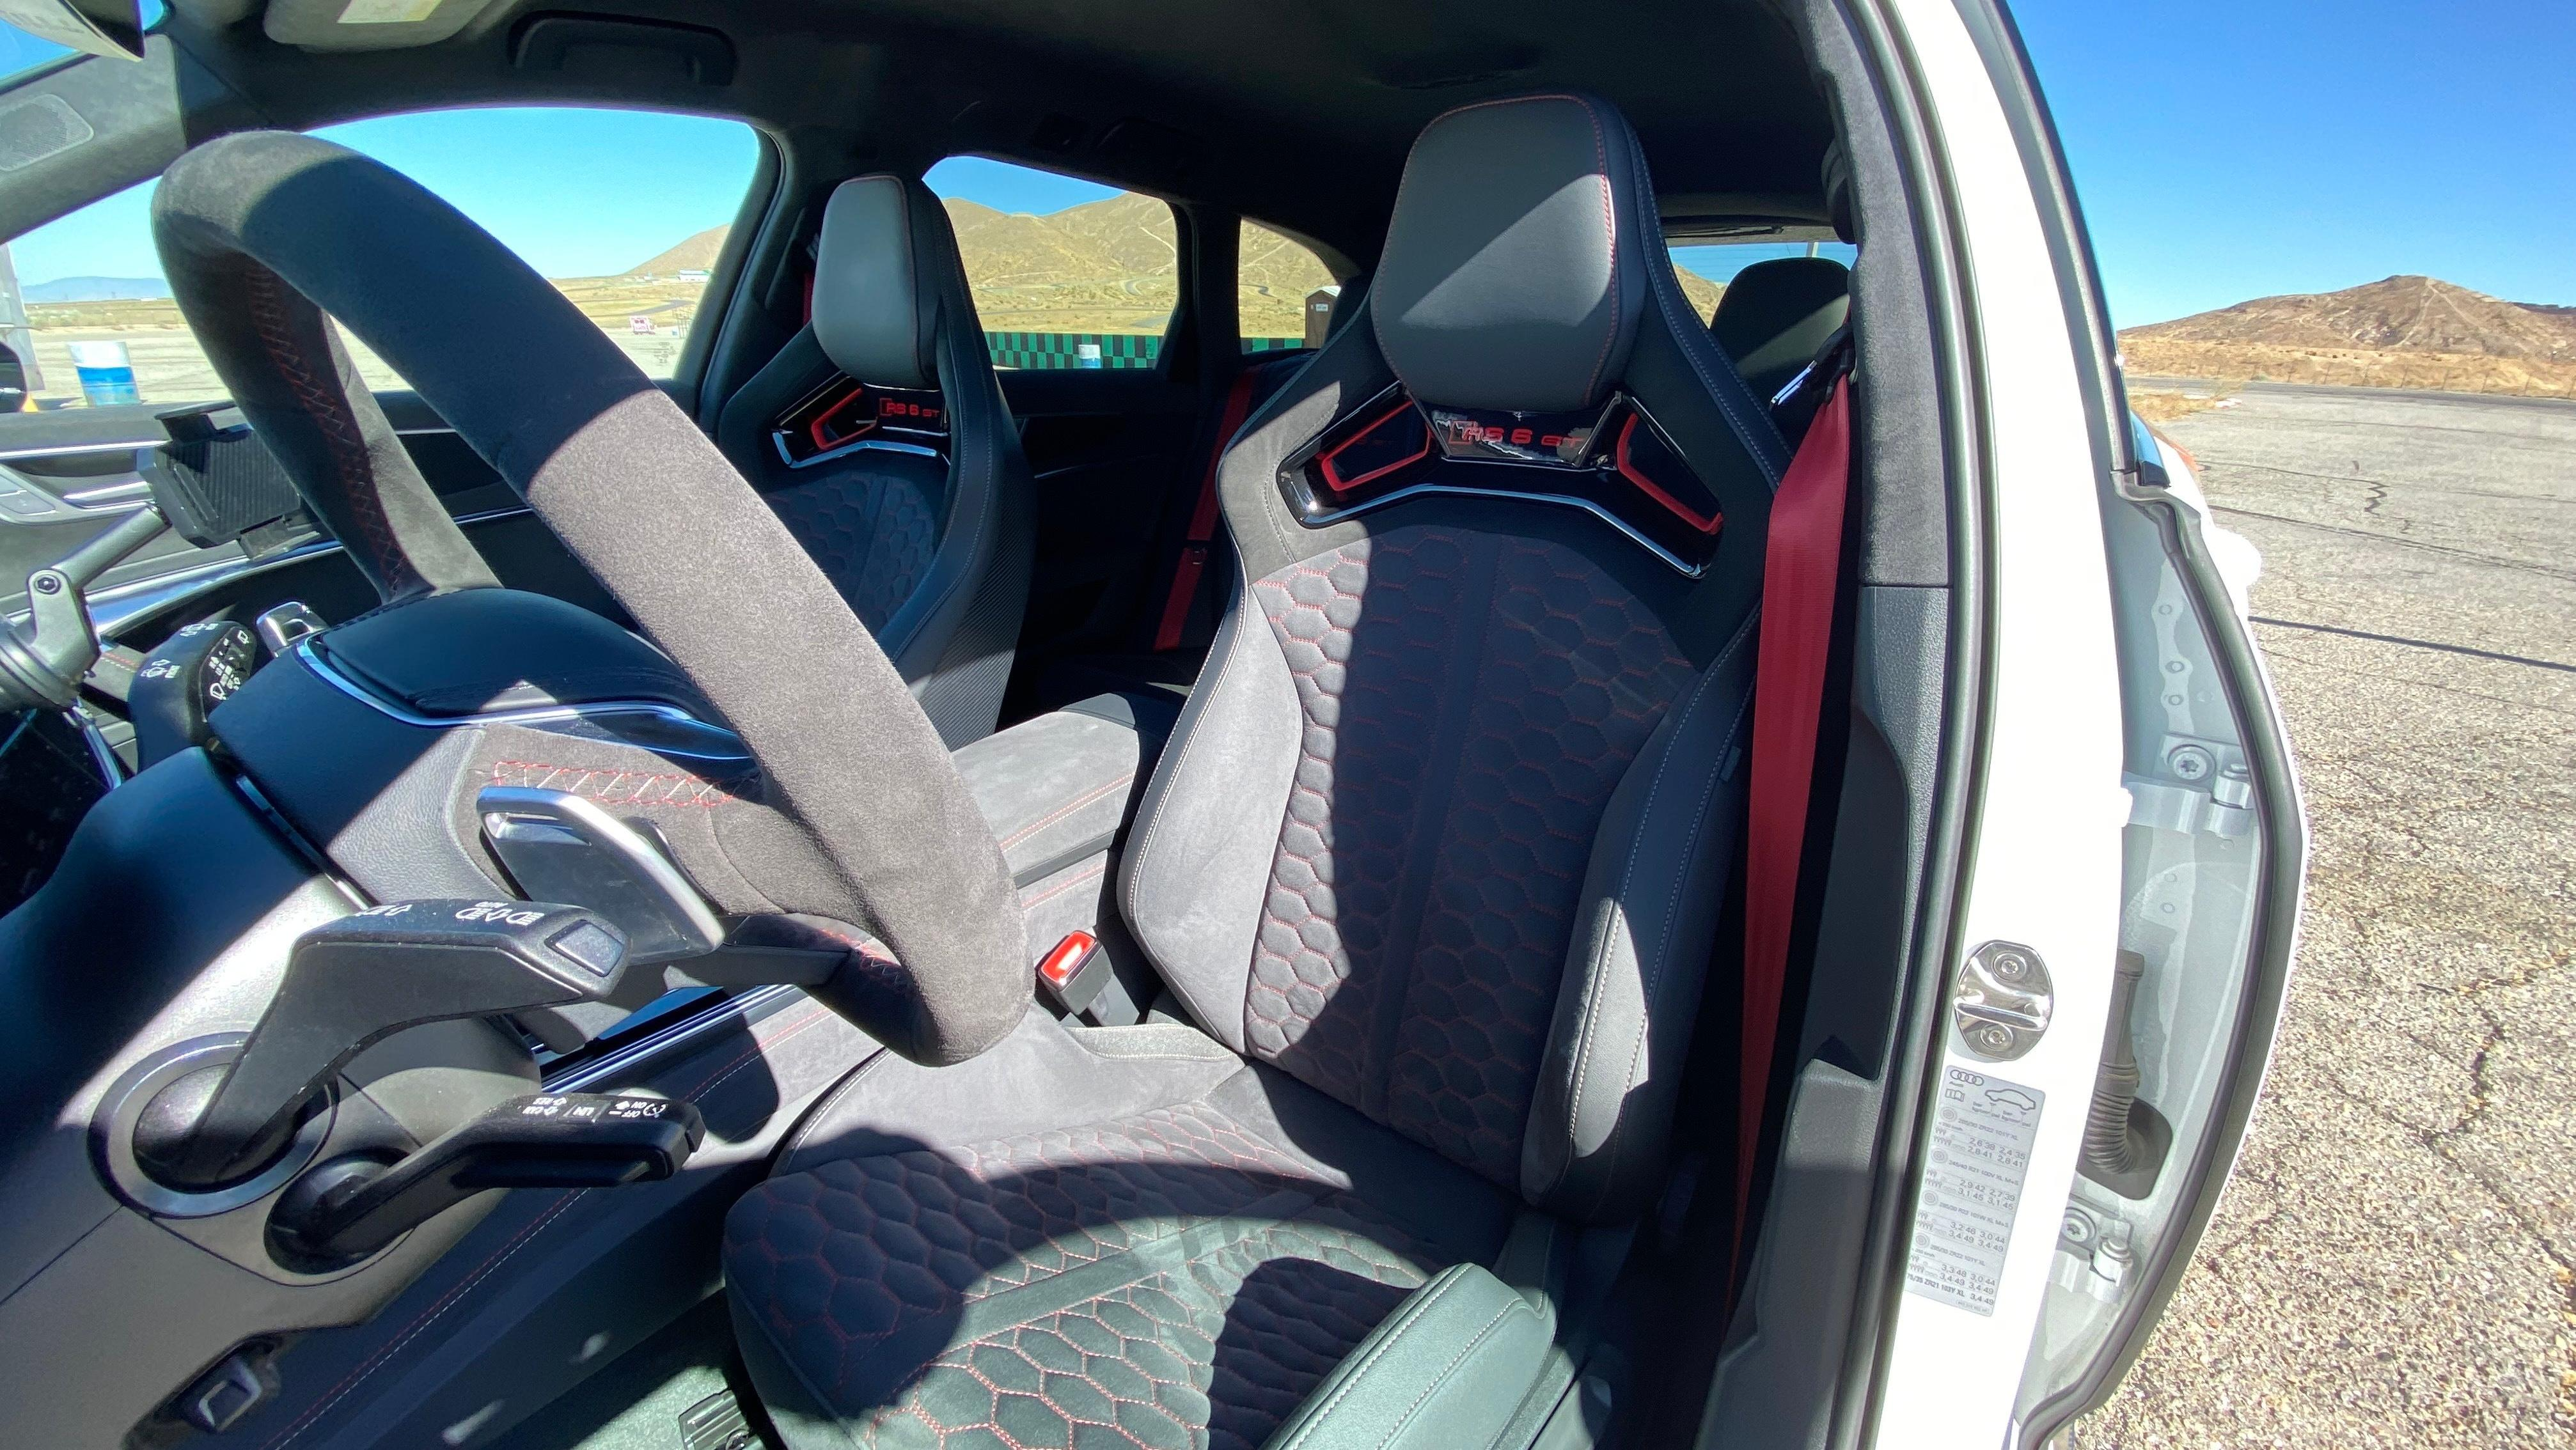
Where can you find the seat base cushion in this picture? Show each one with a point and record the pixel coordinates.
(1185, 1274)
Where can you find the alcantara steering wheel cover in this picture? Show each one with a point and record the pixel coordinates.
(263, 232)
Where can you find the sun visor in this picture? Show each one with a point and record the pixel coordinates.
(367, 24)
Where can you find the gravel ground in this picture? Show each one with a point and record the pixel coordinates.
(2395, 1261)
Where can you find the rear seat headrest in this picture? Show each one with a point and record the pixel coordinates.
(1514, 270)
(1775, 315)
(876, 305)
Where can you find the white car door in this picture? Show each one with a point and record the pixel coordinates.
(2136, 832)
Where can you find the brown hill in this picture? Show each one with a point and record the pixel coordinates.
(1106, 266)
(2399, 314)
(1276, 277)
(696, 254)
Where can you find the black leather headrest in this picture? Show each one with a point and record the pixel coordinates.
(1775, 316)
(1515, 266)
(877, 269)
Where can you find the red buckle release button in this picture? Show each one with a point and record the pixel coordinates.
(1074, 971)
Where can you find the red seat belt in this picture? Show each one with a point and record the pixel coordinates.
(1802, 565)
(1192, 564)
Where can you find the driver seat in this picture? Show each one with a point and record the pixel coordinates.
(928, 538)
(1434, 857)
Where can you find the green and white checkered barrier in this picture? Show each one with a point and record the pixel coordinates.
(1066, 349)
(1030, 350)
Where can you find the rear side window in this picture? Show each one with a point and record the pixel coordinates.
(624, 211)
(1066, 273)
(1283, 292)
(1706, 266)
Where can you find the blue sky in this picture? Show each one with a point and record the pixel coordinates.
(2229, 149)
(1001, 185)
(2223, 149)
(577, 193)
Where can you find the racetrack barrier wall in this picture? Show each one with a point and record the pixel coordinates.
(1030, 350)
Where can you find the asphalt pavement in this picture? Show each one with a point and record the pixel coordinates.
(2394, 1263)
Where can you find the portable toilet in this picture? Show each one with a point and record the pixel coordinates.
(1319, 314)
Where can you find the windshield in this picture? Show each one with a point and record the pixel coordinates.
(626, 212)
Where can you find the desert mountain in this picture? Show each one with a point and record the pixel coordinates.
(1106, 266)
(2399, 314)
(696, 254)
(1110, 266)
(95, 289)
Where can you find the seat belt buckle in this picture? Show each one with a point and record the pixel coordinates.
(1075, 975)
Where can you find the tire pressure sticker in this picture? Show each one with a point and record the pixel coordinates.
(1981, 1137)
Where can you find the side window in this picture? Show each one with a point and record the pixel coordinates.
(1283, 292)
(624, 211)
(1706, 266)
(1066, 273)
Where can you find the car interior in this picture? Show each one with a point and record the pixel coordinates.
(860, 896)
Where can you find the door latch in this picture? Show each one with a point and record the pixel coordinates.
(2003, 1001)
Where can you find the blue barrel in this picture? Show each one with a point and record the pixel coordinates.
(106, 373)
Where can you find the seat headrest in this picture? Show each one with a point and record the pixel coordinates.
(1514, 270)
(884, 247)
(1775, 315)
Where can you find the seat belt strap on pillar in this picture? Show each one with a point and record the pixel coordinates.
(1802, 567)
(1192, 565)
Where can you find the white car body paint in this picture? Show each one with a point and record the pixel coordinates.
(2239, 562)
(2046, 839)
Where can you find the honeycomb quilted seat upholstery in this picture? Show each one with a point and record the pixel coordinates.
(872, 531)
(1455, 844)
(1168, 1279)
(1432, 865)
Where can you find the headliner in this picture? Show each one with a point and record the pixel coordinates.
(1296, 112)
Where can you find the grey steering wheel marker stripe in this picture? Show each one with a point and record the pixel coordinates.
(645, 502)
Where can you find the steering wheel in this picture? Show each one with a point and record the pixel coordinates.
(262, 233)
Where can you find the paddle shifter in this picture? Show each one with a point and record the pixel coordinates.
(351, 983)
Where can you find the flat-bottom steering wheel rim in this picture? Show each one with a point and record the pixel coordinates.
(263, 232)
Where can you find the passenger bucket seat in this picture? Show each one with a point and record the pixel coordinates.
(1435, 857)
(880, 437)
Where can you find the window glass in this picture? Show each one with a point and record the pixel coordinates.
(21, 52)
(623, 211)
(1283, 292)
(1705, 267)
(1066, 273)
